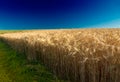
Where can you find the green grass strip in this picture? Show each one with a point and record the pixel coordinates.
(15, 68)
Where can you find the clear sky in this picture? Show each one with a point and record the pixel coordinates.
(44, 14)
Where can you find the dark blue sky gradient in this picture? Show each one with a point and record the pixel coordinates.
(43, 14)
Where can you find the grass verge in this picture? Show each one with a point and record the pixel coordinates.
(15, 68)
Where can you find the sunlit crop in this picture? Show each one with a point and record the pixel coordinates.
(86, 55)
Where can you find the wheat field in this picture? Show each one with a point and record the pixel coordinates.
(77, 55)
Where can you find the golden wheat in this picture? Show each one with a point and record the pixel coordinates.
(85, 55)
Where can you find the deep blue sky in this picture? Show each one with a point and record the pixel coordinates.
(35, 14)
